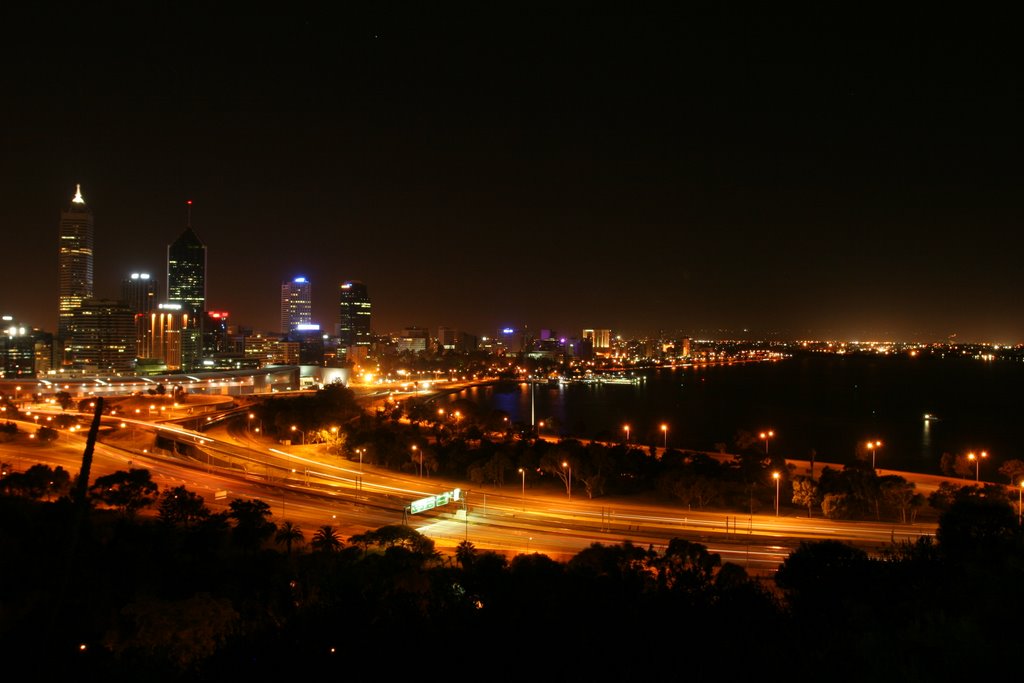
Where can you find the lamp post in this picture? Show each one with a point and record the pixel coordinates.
(977, 463)
(626, 427)
(664, 433)
(249, 425)
(523, 473)
(767, 435)
(1020, 502)
(414, 449)
(873, 445)
(777, 478)
(568, 486)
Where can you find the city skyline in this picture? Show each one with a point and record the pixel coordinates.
(687, 172)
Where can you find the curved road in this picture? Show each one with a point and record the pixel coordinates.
(307, 486)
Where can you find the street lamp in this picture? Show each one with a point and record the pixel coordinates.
(776, 476)
(977, 462)
(664, 433)
(767, 435)
(1020, 502)
(251, 416)
(873, 445)
(626, 427)
(414, 449)
(523, 473)
(568, 486)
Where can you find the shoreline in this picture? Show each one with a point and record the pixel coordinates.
(926, 483)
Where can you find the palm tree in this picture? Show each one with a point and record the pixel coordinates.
(326, 539)
(465, 553)
(289, 533)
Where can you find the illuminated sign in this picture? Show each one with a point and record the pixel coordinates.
(507, 330)
(431, 502)
(299, 279)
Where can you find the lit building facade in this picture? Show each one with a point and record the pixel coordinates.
(140, 292)
(272, 350)
(186, 270)
(17, 350)
(171, 338)
(296, 304)
(101, 337)
(354, 316)
(74, 260)
(600, 340)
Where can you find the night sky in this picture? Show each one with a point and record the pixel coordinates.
(703, 171)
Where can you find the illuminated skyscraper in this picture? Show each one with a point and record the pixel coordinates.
(354, 315)
(140, 292)
(102, 336)
(186, 270)
(74, 261)
(296, 304)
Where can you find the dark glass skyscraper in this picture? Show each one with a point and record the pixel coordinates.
(186, 270)
(354, 315)
(140, 292)
(75, 258)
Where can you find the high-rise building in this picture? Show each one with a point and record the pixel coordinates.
(172, 337)
(102, 336)
(140, 292)
(600, 339)
(215, 333)
(17, 350)
(186, 270)
(296, 304)
(354, 315)
(75, 259)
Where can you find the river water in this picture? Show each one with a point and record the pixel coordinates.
(830, 404)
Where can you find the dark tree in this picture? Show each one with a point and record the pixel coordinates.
(252, 523)
(128, 491)
(326, 539)
(38, 481)
(64, 400)
(181, 507)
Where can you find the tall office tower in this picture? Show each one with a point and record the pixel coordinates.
(354, 315)
(102, 336)
(296, 304)
(74, 260)
(186, 270)
(140, 292)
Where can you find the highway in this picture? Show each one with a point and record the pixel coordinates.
(306, 485)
